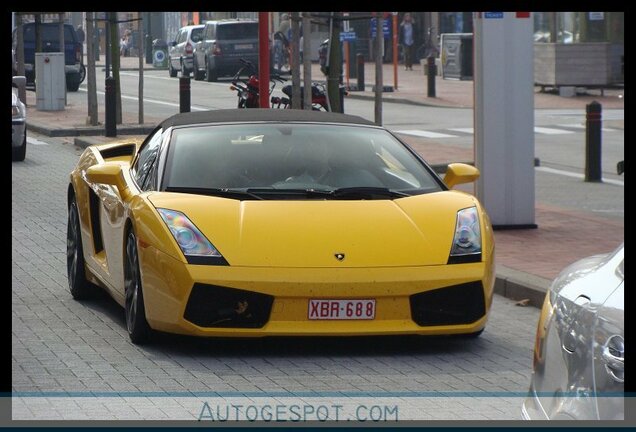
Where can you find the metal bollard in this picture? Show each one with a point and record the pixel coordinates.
(360, 71)
(111, 108)
(184, 94)
(593, 142)
(431, 72)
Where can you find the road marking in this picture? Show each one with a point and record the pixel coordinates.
(580, 126)
(551, 131)
(155, 101)
(425, 134)
(36, 141)
(175, 80)
(465, 130)
(577, 175)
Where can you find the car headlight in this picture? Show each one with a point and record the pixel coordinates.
(467, 240)
(194, 245)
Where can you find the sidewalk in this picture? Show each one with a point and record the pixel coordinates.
(527, 260)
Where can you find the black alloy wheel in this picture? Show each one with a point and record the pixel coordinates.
(138, 328)
(80, 288)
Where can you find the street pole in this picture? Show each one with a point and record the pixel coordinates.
(395, 51)
(19, 55)
(263, 60)
(114, 54)
(379, 42)
(141, 68)
(91, 79)
(306, 61)
(295, 60)
(335, 66)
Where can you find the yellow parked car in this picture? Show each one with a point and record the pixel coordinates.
(267, 222)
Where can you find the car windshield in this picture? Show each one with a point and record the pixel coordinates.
(237, 31)
(297, 161)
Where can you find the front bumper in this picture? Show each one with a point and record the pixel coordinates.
(168, 286)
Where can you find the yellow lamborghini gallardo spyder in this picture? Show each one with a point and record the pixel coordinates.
(265, 222)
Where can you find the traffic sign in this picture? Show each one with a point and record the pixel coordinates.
(347, 36)
(385, 27)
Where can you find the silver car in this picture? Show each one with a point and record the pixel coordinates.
(180, 53)
(579, 349)
(18, 126)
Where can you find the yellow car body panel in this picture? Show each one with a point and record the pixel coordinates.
(392, 249)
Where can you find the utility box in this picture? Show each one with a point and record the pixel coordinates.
(457, 56)
(50, 86)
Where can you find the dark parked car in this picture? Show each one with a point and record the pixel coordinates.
(181, 52)
(224, 43)
(51, 43)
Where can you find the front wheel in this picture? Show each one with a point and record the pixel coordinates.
(138, 328)
(210, 74)
(77, 283)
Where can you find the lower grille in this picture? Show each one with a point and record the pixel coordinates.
(215, 306)
(457, 304)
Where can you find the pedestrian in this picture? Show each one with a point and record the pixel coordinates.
(81, 36)
(281, 41)
(124, 44)
(407, 40)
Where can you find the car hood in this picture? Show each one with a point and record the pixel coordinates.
(411, 231)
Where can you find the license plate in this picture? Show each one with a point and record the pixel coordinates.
(243, 46)
(341, 309)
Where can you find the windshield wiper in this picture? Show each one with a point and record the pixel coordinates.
(364, 191)
(341, 193)
(221, 192)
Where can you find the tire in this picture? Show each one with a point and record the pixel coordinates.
(19, 153)
(171, 70)
(82, 73)
(198, 75)
(210, 74)
(73, 81)
(78, 285)
(136, 324)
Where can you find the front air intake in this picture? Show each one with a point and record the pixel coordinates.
(456, 304)
(215, 306)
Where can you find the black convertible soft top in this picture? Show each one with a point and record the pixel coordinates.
(260, 115)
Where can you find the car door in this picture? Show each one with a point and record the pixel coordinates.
(174, 52)
(609, 355)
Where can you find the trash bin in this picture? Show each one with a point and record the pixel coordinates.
(159, 53)
(457, 56)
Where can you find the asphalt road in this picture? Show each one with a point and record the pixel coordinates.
(73, 360)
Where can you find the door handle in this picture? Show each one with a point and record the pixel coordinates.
(613, 355)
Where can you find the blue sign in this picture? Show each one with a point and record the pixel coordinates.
(495, 15)
(347, 36)
(385, 28)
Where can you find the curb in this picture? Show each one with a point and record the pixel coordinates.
(88, 130)
(517, 285)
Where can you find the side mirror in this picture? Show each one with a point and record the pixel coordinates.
(458, 173)
(110, 173)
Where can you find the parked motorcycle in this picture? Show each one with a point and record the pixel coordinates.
(247, 88)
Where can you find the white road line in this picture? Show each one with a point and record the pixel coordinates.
(465, 130)
(580, 126)
(425, 134)
(36, 141)
(551, 131)
(577, 175)
(155, 101)
(175, 80)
